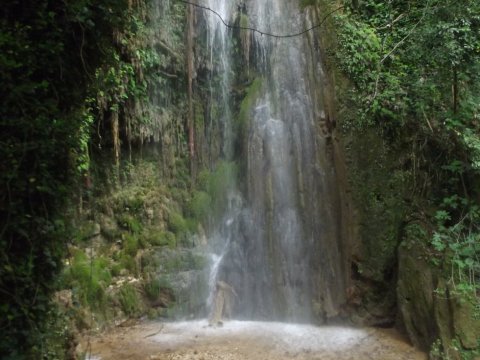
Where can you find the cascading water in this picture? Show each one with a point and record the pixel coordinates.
(218, 48)
(280, 245)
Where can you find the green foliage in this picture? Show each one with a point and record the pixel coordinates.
(184, 262)
(133, 203)
(216, 184)
(360, 51)
(88, 279)
(413, 71)
(244, 115)
(116, 269)
(129, 222)
(221, 181)
(177, 223)
(161, 238)
(459, 244)
(130, 245)
(405, 62)
(437, 352)
(56, 339)
(154, 287)
(136, 85)
(130, 301)
(128, 262)
(84, 232)
(50, 55)
(201, 205)
(150, 262)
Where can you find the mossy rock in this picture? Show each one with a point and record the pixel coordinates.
(466, 322)
(379, 198)
(415, 294)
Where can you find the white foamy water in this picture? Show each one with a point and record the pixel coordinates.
(283, 336)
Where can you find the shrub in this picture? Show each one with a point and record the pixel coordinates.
(162, 238)
(128, 262)
(177, 223)
(216, 184)
(153, 289)
(200, 205)
(130, 244)
(130, 301)
(130, 223)
(88, 278)
(116, 269)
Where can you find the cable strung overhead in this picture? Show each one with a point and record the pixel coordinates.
(278, 36)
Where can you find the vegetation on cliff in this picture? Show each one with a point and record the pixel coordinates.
(413, 80)
(67, 71)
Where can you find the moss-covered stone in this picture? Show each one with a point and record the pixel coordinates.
(379, 199)
(466, 323)
(430, 307)
(415, 293)
(252, 92)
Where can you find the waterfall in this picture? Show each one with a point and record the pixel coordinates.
(218, 48)
(282, 250)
